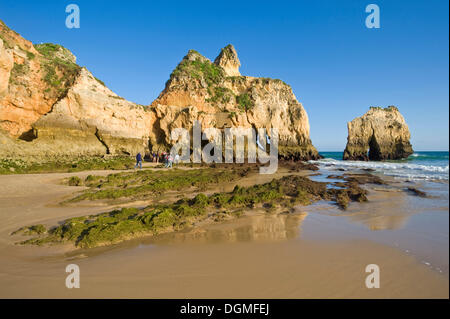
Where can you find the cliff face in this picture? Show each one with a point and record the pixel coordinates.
(60, 108)
(96, 120)
(217, 96)
(25, 95)
(50, 106)
(380, 134)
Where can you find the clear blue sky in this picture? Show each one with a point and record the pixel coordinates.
(335, 65)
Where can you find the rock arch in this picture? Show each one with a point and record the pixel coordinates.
(380, 134)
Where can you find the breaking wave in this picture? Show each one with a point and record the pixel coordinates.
(397, 169)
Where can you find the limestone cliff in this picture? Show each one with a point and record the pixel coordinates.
(217, 96)
(60, 108)
(26, 92)
(229, 61)
(50, 106)
(95, 120)
(380, 134)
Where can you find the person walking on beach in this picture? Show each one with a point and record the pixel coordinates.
(169, 160)
(138, 161)
(166, 159)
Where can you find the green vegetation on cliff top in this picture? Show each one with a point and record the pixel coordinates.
(60, 70)
(388, 109)
(6, 35)
(199, 68)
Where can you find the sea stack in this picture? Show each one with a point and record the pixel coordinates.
(380, 134)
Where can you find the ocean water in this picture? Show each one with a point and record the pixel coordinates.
(430, 165)
(417, 226)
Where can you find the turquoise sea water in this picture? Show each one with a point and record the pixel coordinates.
(429, 165)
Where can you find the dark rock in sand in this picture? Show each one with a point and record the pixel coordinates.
(335, 177)
(297, 166)
(416, 192)
(364, 179)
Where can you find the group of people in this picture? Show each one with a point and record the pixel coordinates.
(167, 158)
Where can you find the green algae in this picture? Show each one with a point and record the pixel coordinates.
(126, 223)
(148, 183)
(11, 166)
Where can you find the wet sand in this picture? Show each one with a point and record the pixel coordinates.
(299, 255)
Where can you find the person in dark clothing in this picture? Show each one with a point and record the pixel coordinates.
(138, 161)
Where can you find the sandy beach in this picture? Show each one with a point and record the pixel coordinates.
(238, 150)
(316, 252)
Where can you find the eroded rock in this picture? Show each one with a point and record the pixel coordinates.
(380, 134)
(229, 61)
(96, 120)
(50, 106)
(201, 90)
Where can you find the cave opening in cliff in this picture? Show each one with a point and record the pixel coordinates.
(374, 149)
(28, 135)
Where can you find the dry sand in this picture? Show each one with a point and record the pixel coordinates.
(259, 256)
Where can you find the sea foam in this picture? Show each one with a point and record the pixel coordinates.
(404, 170)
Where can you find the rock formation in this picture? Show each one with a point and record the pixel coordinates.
(229, 61)
(380, 134)
(50, 106)
(95, 120)
(60, 108)
(201, 90)
(24, 94)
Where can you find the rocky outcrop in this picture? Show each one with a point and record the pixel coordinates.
(90, 120)
(380, 134)
(228, 61)
(59, 108)
(50, 106)
(6, 65)
(96, 120)
(201, 90)
(24, 94)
